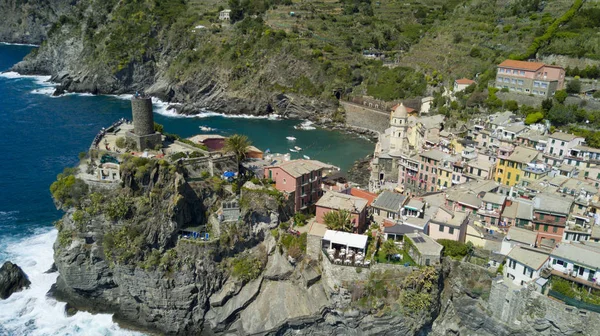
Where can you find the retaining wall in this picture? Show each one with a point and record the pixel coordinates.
(366, 118)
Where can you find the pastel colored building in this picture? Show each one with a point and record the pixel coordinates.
(576, 262)
(429, 169)
(446, 224)
(299, 179)
(462, 84)
(491, 208)
(423, 249)
(559, 145)
(213, 142)
(550, 215)
(334, 201)
(533, 78)
(510, 169)
(523, 265)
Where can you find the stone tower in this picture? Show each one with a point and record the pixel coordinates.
(143, 118)
(398, 125)
(143, 124)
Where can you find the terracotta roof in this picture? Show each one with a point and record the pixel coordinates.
(465, 81)
(370, 197)
(532, 66)
(408, 109)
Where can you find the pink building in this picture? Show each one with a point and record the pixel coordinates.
(428, 169)
(447, 224)
(334, 201)
(299, 179)
(213, 142)
(533, 78)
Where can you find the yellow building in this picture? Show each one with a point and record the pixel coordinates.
(511, 170)
(444, 177)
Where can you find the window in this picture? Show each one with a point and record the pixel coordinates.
(284, 181)
(512, 264)
(517, 178)
(441, 228)
(537, 227)
(451, 231)
(554, 229)
(427, 262)
(520, 82)
(508, 176)
(555, 219)
(514, 81)
(541, 216)
(545, 228)
(522, 73)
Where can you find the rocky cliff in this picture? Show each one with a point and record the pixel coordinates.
(12, 279)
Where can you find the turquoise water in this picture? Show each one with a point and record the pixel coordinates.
(40, 135)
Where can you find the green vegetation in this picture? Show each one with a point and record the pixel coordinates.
(120, 142)
(294, 244)
(575, 291)
(396, 292)
(455, 249)
(123, 244)
(246, 267)
(67, 189)
(65, 237)
(389, 248)
(300, 218)
(118, 207)
(540, 41)
(238, 145)
(338, 220)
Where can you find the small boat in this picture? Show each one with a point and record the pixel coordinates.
(306, 157)
(297, 148)
(293, 150)
(206, 128)
(291, 138)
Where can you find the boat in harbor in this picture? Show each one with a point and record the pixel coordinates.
(291, 138)
(293, 150)
(297, 148)
(306, 157)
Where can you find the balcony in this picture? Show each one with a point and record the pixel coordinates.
(486, 212)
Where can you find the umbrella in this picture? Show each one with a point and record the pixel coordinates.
(228, 174)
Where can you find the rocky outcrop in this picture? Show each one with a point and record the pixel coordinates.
(360, 171)
(29, 21)
(12, 279)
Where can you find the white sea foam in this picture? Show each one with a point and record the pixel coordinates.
(306, 126)
(31, 312)
(20, 44)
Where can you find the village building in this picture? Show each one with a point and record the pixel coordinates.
(388, 205)
(524, 264)
(533, 78)
(559, 145)
(462, 84)
(423, 249)
(550, 215)
(510, 170)
(298, 179)
(334, 201)
(213, 142)
(450, 225)
(224, 15)
(517, 212)
(518, 237)
(491, 209)
(576, 262)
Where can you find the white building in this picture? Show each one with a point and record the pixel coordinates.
(577, 262)
(461, 84)
(224, 14)
(517, 237)
(523, 265)
(398, 127)
(560, 144)
(426, 105)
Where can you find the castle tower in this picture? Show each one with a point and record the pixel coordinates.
(143, 118)
(143, 124)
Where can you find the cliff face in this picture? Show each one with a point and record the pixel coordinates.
(112, 47)
(29, 21)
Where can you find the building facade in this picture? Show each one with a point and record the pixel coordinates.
(528, 78)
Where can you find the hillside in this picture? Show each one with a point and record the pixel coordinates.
(284, 56)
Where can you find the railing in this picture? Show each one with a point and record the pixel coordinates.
(574, 302)
(353, 264)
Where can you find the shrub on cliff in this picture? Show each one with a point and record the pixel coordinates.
(118, 208)
(67, 189)
(246, 267)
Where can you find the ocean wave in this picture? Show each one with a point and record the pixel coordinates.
(306, 126)
(41, 80)
(20, 44)
(31, 311)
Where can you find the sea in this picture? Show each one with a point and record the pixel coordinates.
(40, 135)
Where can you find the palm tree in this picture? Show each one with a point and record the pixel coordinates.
(389, 248)
(338, 220)
(238, 145)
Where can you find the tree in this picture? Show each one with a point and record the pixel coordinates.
(532, 118)
(574, 86)
(389, 248)
(560, 96)
(511, 105)
(547, 104)
(338, 220)
(238, 145)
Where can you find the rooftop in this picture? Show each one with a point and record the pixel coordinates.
(425, 244)
(434, 154)
(464, 81)
(389, 201)
(516, 128)
(415, 204)
(523, 155)
(464, 197)
(297, 168)
(200, 138)
(494, 198)
(552, 204)
(339, 201)
(369, 196)
(530, 257)
(563, 136)
(521, 235)
(522, 65)
(578, 253)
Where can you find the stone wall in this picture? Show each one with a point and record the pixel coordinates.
(366, 118)
(215, 166)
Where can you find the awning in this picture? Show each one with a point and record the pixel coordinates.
(346, 239)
